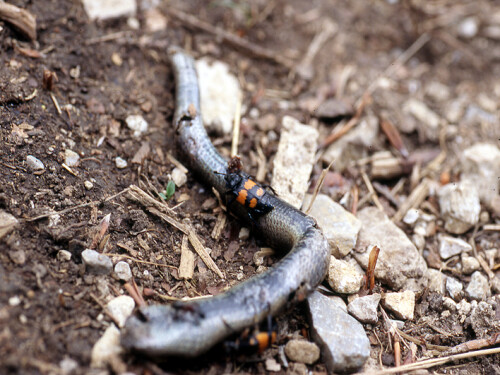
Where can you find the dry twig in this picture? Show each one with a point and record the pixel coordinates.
(23, 20)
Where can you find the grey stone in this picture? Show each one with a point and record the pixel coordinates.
(450, 246)
(340, 227)
(7, 223)
(120, 309)
(343, 277)
(436, 281)
(220, 93)
(399, 263)
(122, 271)
(460, 206)
(71, 158)
(88, 185)
(364, 308)
(96, 263)
(18, 256)
(454, 288)
(483, 320)
(34, 163)
(107, 349)
(469, 264)
(401, 304)
(478, 287)
(294, 160)
(427, 117)
(302, 351)
(342, 339)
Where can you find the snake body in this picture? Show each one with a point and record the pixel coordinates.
(190, 328)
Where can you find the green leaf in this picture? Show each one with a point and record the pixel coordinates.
(170, 189)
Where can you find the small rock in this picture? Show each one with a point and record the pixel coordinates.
(137, 123)
(399, 263)
(220, 93)
(454, 288)
(340, 227)
(64, 255)
(107, 9)
(297, 369)
(17, 256)
(455, 110)
(468, 27)
(88, 185)
(302, 351)
(7, 223)
(120, 309)
(34, 163)
(436, 281)
(244, 234)
(333, 108)
(71, 158)
(14, 301)
(411, 216)
(343, 277)
(460, 206)
(120, 163)
(122, 271)
(427, 117)
(107, 349)
(179, 177)
(484, 323)
(478, 288)
(96, 263)
(364, 308)
(450, 246)
(469, 264)
(342, 339)
(294, 160)
(437, 91)
(272, 365)
(401, 304)
(68, 365)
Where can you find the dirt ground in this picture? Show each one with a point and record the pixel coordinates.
(51, 309)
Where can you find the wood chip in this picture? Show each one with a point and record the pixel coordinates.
(20, 18)
(141, 154)
(186, 267)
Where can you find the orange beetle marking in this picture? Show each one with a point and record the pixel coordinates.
(259, 192)
(249, 184)
(242, 197)
(252, 203)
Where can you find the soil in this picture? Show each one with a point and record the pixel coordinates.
(51, 309)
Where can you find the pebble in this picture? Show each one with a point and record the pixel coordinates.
(450, 246)
(107, 349)
(411, 216)
(96, 263)
(399, 263)
(7, 223)
(120, 163)
(436, 281)
(34, 163)
(469, 264)
(294, 160)
(14, 301)
(18, 256)
(478, 288)
(137, 123)
(302, 351)
(88, 185)
(342, 339)
(480, 164)
(244, 234)
(297, 369)
(272, 365)
(343, 277)
(64, 255)
(484, 323)
(220, 93)
(179, 177)
(454, 288)
(120, 309)
(122, 271)
(340, 227)
(68, 365)
(402, 304)
(468, 27)
(107, 9)
(427, 117)
(365, 308)
(460, 207)
(333, 108)
(437, 91)
(354, 145)
(71, 158)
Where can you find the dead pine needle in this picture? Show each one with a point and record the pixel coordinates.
(318, 187)
(236, 128)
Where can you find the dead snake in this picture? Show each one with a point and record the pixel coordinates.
(188, 329)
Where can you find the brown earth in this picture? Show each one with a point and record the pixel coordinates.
(51, 309)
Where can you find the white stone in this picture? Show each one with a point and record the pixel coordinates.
(120, 163)
(96, 262)
(107, 348)
(71, 158)
(343, 277)
(88, 185)
(425, 115)
(468, 27)
(437, 91)
(294, 160)
(106, 9)
(450, 246)
(478, 287)
(365, 308)
(64, 255)
(244, 234)
(14, 301)
(454, 287)
(411, 216)
(34, 163)
(272, 365)
(179, 177)
(7, 223)
(137, 123)
(401, 304)
(302, 351)
(460, 206)
(122, 271)
(219, 93)
(68, 365)
(436, 281)
(339, 226)
(120, 309)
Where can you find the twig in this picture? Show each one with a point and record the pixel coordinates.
(236, 128)
(140, 260)
(133, 291)
(255, 50)
(20, 18)
(372, 191)
(318, 186)
(416, 197)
